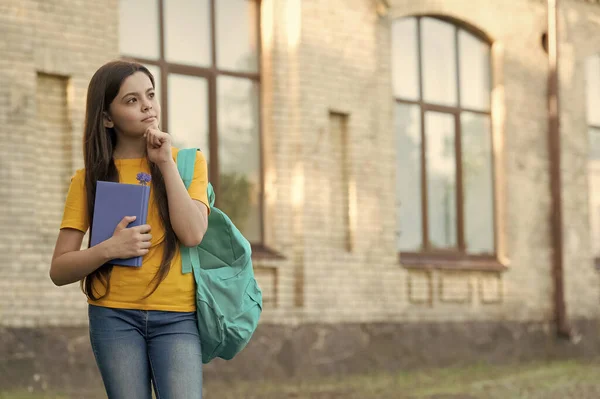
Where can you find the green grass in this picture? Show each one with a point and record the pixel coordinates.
(558, 380)
(554, 380)
(27, 395)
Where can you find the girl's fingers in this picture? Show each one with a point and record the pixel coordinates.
(150, 137)
(155, 138)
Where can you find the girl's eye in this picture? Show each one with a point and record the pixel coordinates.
(151, 95)
(131, 100)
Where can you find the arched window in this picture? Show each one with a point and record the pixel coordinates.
(204, 55)
(445, 177)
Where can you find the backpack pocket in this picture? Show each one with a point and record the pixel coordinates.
(210, 325)
(239, 330)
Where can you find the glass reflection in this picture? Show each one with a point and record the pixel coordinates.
(438, 61)
(474, 59)
(187, 32)
(477, 183)
(441, 179)
(137, 16)
(408, 178)
(188, 112)
(239, 153)
(237, 35)
(405, 63)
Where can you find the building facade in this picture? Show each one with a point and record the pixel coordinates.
(388, 160)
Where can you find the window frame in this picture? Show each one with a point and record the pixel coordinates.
(457, 258)
(211, 75)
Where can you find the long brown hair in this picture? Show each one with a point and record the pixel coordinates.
(99, 144)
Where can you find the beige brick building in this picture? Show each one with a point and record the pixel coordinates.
(319, 135)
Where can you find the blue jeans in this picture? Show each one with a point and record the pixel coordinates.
(134, 348)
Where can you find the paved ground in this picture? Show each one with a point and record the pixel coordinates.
(558, 380)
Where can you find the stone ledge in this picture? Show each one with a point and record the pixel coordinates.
(61, 360)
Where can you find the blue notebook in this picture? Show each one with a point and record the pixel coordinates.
(113, 202)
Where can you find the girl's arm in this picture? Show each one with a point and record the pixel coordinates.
(189, 218)
(70, 264)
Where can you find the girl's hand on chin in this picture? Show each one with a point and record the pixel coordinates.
(158, 145)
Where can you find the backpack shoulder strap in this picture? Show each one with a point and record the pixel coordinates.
(186, 160)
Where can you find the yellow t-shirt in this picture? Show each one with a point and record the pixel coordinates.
(128, 285)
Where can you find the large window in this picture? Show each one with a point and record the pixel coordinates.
(205, 56)
(445, 185)
(593, 121)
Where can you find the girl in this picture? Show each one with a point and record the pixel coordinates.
(142, 320)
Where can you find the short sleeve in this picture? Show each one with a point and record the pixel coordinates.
(75, 213)
(199, 184)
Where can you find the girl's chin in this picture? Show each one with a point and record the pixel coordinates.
(134, 135)
(136, 132)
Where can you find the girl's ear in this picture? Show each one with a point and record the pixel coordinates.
(108, 123)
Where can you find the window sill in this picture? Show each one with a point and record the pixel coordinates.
(428, 261)
(261, 252)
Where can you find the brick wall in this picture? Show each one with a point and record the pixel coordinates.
(580, 23)
(343, 66)
(321, 59)
(49, 52)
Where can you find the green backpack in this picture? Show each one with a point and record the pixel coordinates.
(228, 299)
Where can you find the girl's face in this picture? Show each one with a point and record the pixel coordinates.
(135, 108)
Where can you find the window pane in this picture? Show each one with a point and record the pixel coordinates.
(439, 61)
(441, 179)
(405, 65)
(188, 112)
(137, 16)
(408, 178)
(155, 71)
(593, 90)
(478, 183)
(239, 154)
(187, 32)
(474, 59)
(237, 35)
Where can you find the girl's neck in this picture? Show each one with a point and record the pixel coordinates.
(130, 148)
